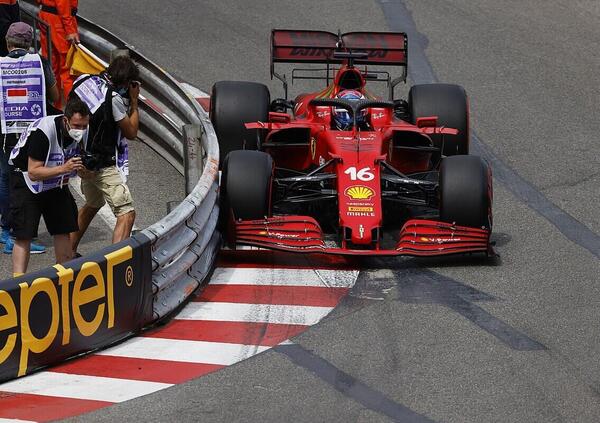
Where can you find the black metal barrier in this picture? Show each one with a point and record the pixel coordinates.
(66, 310)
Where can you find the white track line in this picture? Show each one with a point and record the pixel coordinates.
(254, 313)
(184, 351)
(82, 387)
(284, 277)
(2, 420)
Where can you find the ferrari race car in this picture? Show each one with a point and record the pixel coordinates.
(341, 171)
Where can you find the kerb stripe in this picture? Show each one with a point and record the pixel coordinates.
(42, 408)
(149, 370)
(184, 351)
(290, 295)
(247, 333)
(82, 387)
(281, 277)
(257, 313)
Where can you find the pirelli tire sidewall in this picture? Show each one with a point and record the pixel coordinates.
(466, 191)
(247, 181)
(233, 104)
(450, 104)
(66, 310)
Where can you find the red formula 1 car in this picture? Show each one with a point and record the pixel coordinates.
(341, 171)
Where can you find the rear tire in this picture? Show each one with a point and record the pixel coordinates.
(246, 184)
(466, 192)
(232, 104)
(450, 104)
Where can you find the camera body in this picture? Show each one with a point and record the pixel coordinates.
(91, 161)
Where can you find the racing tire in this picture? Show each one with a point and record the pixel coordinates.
(232, 104)
(466, 192)
(450, 104)
(246, 184)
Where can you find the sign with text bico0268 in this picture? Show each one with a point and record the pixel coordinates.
(65, 310)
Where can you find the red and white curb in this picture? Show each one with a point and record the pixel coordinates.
(244, 311)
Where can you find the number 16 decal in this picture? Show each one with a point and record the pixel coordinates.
(363, 174)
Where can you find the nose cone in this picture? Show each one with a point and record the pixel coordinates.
(360, 236)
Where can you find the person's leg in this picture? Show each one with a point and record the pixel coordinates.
(5, 209)
(65, 76)
(117, 195)
(62, 248)
(25, 213)
(123, 227)
(60, 214)
(84, 218)
(94, 200)
(4, 196)
(64, 71)
(60, 47)
(20, 256)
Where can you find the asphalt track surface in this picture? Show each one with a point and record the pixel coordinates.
(456, 340)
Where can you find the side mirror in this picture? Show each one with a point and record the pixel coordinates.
(427, 122)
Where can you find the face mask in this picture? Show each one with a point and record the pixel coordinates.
(76, 134)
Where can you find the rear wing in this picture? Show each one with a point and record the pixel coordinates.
(363, 48)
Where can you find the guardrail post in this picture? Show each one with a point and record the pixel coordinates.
(192, 158)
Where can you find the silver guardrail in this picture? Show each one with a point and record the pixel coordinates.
(186, 241)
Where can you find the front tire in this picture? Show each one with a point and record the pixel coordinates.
(233, 104)
(246, 184)
(466, 192)
(450, 104)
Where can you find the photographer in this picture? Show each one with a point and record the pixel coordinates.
(37, 79)
(44, 159)
(113, 100)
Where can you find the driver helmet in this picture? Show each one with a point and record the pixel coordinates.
(341, 117)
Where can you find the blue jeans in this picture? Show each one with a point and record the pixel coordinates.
(4, 171)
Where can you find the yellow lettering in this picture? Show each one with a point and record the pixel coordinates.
(29, 343)
(112, 260)
(85, 296)
(7, 321)
(65, 277)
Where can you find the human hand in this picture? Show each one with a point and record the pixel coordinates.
(134, 91)
(73, 38)
(73, 164)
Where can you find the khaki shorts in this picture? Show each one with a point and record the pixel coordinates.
(106, 186)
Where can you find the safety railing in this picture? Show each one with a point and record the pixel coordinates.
(138, 281)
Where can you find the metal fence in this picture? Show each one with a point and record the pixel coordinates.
(186, 241)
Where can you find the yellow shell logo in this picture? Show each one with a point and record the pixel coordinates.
(359, 192)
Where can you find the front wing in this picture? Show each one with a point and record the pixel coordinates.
(418, 237)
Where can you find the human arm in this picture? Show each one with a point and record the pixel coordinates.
(69, 22)
(38, 172)
(53, 93)
(130, 124)
(37, 152)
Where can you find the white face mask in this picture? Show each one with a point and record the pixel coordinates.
(76, 134)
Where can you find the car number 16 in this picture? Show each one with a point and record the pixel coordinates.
(363, 174)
